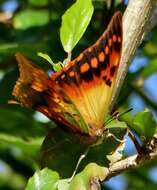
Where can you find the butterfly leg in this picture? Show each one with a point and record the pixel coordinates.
(107, 134)
(116, 115)
(78, 163)
(117, 139)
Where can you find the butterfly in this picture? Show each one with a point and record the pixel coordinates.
(78, 96)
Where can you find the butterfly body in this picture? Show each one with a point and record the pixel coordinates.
(78, 96)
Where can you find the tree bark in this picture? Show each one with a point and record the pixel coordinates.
(136, 23)
(134, 161)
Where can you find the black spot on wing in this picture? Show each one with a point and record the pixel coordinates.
(112, 71)
(64, 78)
(87, 76)
(104, 78)
(105, 63)
(108, 82)
(96, 71)
(72, 79)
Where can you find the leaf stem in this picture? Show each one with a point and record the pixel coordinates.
(69, 56)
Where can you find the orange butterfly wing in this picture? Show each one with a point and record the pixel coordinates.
(79, 95)
(36, 90)
(89, 79)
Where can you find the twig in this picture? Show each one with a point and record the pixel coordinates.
(135, 25)
(136, 143)
(134, 161)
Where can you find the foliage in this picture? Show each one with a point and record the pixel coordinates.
(49, 26)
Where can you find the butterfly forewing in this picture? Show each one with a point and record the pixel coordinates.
(79, 95)
(89, 79)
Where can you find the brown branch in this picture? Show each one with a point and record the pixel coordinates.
(136, 20)
(95, 173)
(135, 25)
(5, 17)
(134, 161)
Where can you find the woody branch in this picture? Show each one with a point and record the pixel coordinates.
(137, 21)
(134, 161)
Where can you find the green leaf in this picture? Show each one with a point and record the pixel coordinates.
(144, 125)
(116, 124)
(39, 2)
(43, 180)
(63, 184)
(30, 18)
(56, 66)
(151, 45)
(29, 147)
(117, 129)
(85, 179)
(150, 69)
(58, 142)
(74, 23)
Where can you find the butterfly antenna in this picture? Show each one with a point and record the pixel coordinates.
(117, 115)
(117, 139)
(127, 111)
